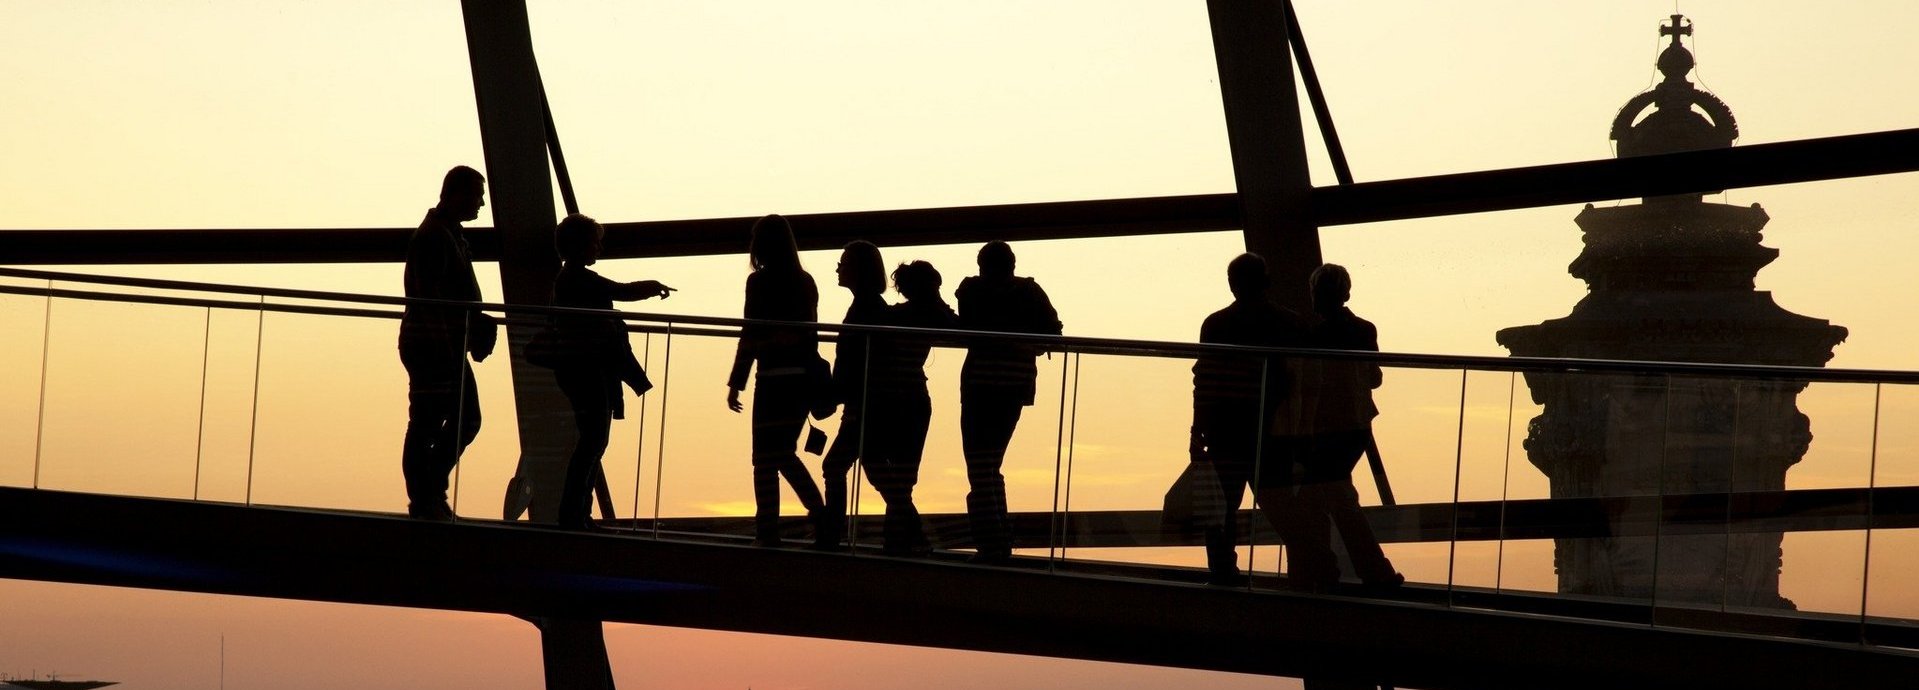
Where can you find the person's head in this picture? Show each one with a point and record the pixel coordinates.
(1331, 286)
(861, 269)
(578, 239)
(462, 193)
(773, 245)
(996, 260)
(1246, 276)
(917, 280)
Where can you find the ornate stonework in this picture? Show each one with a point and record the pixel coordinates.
(1671, 279)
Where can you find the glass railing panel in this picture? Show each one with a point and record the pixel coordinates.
(226, 421)
(1739, 552)
(1525, 556)
(1487, 427)
(1581, 515)
(1891, 601)
(1818, 522)
(123, 397)
(1418, 435)
(633, 445)
(704, 477)
(331, 413)
(23, 319)
(1128, 437)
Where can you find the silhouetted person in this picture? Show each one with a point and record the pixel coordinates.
(443, 407)
(996, 383)
(598, 356)
(1340, 395)
(863, 273)
(1235, 397)
(897, 407)
(777, 290)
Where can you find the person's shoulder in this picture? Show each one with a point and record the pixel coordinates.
(1216, 321)
(1362, 325)
(430, 229)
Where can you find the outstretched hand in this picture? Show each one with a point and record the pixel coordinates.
(654, 288)
(733, 400)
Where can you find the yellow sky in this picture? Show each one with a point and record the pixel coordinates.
(241, 114)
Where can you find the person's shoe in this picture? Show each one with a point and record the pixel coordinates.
(431, 512)
(1392, 581)
(769, 542)
(1226, 579)
(518, 498)
(991, 557)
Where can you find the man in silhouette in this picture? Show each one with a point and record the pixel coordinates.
(443, 408)
(1236, 401)
(996, 382)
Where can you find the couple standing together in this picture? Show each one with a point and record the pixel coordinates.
(880, 380)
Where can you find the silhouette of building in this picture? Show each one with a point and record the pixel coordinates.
(1671, 279)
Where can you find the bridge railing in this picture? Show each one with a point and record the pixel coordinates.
(1772, 500)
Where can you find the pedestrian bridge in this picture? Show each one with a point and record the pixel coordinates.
(204, 475)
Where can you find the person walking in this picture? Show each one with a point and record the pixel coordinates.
(443, 404)
(597, 357)
(863, 273)
(996, 384)
(783, 389)
(898, 409)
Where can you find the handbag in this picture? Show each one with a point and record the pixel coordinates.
(822, 399)
(1195, 502)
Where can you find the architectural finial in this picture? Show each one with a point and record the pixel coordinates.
(1674, 125)
(1677, 29)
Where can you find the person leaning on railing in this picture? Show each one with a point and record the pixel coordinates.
(996, 383)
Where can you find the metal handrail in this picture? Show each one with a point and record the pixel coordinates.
(1051, 343)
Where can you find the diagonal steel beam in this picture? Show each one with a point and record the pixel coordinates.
(1807, 160)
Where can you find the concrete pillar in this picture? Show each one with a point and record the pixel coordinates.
(506, 88)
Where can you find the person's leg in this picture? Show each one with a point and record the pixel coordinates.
(837, 464)
(1305, 531)
(1230, 448)
(592, 417)
(903, 524)
(986, 427)
(779, 413)
(432, 389)
(1329, 487)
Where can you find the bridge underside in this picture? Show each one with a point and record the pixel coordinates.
(531, 571)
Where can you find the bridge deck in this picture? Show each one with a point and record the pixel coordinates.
(1084, 611)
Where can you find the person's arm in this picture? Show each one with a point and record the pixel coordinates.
(1045, 317)
(636, 290)
(743, 352)
(1370, 375)
(428, 257)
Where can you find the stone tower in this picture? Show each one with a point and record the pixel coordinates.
(1671, 279)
